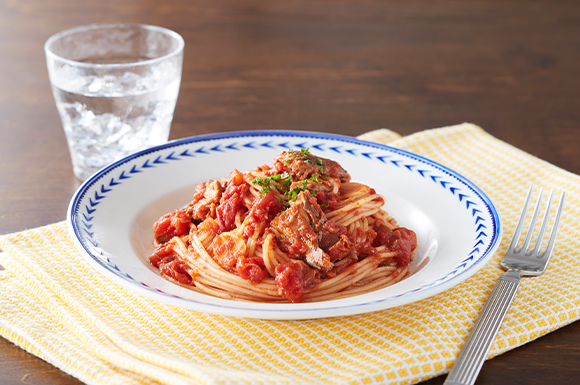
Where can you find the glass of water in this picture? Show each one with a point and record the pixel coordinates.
(115, 87)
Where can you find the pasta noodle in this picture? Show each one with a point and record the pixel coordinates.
(296, 231)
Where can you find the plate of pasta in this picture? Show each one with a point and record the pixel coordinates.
(282, 225)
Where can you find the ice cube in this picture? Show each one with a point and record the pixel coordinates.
(96, 85)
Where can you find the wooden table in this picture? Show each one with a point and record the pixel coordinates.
(339, 66)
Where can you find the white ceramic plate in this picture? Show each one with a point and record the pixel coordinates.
(111, 215)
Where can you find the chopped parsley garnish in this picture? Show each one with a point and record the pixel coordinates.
(305, 152)
(294, 191)
(264, 183)
(286, 179)
(314, 177)
(320, 165)
(283, 180)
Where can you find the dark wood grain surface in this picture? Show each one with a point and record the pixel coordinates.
(346, 67)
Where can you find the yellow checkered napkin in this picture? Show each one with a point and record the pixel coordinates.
(56, 307)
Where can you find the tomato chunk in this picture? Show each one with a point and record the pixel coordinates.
(401, 240)
(250, 270)
(230, 203)
(176, 270)
(171, 225)
(165, 259)
(294, 277)
(264, 209)
(162, 254)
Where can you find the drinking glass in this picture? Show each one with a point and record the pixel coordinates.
(115, 87)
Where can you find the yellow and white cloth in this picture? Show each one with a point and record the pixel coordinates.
(57, 307)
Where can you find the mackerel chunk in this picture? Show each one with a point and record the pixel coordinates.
(205, 201)
(303, 165)
(297, 231)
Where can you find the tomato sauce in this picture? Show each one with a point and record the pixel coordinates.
(166, 261)
(250, 269)
(264, 209)
(294, 277)
(401, 240)
(229, 205)
(171, 225)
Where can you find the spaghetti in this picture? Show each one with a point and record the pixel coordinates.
(297, 231)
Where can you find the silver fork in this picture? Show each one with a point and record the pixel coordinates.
(518, 262)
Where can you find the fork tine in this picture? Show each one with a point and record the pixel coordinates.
(542, 228)
(530, 233)
(521, 221)
(552, 240)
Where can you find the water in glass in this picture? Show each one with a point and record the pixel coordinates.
(107, 117)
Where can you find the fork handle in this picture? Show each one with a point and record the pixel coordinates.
(476, 348)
